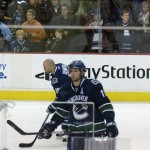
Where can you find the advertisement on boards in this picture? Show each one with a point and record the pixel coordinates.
(5, 71)
(115, 72)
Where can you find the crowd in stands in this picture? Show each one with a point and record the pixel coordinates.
(63, 26)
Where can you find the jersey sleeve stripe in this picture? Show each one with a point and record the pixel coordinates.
(103, 105)
(108, 110)
(60, 115)
(106, 107)
(62, 109)
(65, 124)
(88, 127)
(53, 107)
(62, 112)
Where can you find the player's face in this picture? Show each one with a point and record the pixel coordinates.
(75, 74)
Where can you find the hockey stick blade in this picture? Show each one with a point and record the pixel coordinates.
(31, 144)
(14, 126)
(25, 145)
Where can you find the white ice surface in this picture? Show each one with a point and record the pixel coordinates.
(133, 120)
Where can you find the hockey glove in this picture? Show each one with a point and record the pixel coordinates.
(111, 129)
(50, 109)
(46, 131)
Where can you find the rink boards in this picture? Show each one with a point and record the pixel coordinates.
(124, 77)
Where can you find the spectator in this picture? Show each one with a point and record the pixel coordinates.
(44, 11)
(64, 18)
(133, 6)
(5, 34)
(32, 4)
(144, 15)
(81, 10)
(144, 21)
(12, 7)
(109, 15)
(20, 14)
(4, 7)
(126, 38)
(56, 8)
(109, 11)
(57, 44)
(20, 44)
(94, 36)
(34, 32)
(73, 37)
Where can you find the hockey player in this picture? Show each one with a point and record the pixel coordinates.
(58, 74)
(81, 89)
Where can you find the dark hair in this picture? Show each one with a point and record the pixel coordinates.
(65, 5)
(125, 10)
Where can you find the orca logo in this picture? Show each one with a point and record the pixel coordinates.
(80, 112)
(54, 80)
(42, 75)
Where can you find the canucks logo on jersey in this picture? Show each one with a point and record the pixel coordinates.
(80, 111)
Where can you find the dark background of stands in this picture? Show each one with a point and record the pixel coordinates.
(75, 26)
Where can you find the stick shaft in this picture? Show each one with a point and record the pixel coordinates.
(31, 144)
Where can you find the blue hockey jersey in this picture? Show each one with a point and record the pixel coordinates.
(81, 115)
(60, 77)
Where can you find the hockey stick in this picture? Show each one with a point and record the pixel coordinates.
(20, 131)
(31, 144)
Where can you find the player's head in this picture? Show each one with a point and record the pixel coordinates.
(49, 65)
(77, 70)
(77, 64)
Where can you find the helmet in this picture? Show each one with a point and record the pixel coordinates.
(77, 64)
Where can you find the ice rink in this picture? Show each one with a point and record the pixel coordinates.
(133, 120)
